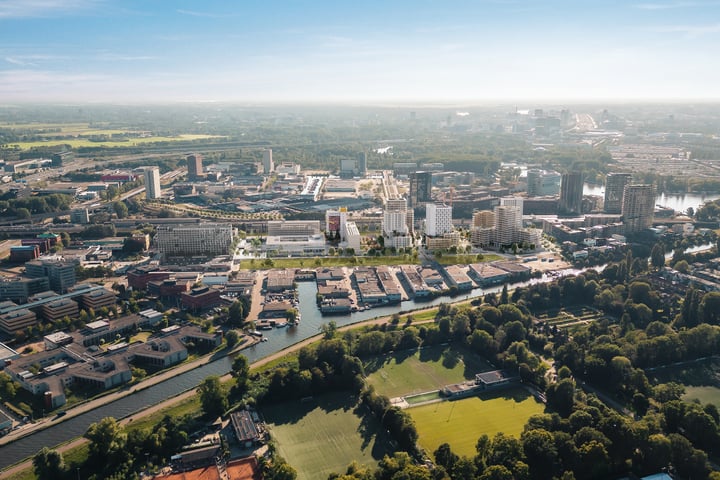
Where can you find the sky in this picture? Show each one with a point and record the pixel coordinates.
(358, 51)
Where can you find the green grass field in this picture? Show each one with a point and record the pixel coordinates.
(130, 142)
(706, 394)
(324, 435)
(431, 368)
(461, 422)
(700, 379)
(327, 262)
(450, 259)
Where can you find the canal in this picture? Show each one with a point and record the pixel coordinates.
(278, 339)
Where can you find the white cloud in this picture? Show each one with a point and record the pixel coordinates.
(194, 13)
(44, 8)
(689, 30)
(673, 5)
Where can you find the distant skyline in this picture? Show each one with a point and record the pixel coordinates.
(421, 51)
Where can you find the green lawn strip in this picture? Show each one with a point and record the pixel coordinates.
(461, 422)
(326, 262)
(190, 406)
(448, 259)
(325, 434)
(430, 368)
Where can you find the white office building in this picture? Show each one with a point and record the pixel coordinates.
(438, 219)
(152, 183)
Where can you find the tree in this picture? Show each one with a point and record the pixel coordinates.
(540, 452)
(445, 457)
(48, 463)
(504, 295)
(329, 329)
(120, 209)
(107, 441)
(241, 372)
(237, 313)
(279, 470)
(657, 256)
(232, 337)
(213, 396)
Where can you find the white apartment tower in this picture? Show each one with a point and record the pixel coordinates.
(638, 207)
(152, 183)
(506, 224)
(517, 203)
(395, 217)
(268, 165)
(438, 219)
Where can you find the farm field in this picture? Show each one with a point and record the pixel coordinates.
(461, 422)
(324, 435)
(80, 142)
(423, 370)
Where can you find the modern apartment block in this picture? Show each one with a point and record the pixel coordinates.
(438, 219)
(194, 166)
(614, 190)
(152, 183)
(638, 207)
(571, 193)
(189, 240)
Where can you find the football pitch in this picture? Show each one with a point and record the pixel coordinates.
(461, 422)
(325, 435)
(429, 368)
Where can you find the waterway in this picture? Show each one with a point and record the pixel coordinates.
(679, 202)
(277, 339)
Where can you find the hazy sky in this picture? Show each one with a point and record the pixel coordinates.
(357, 50)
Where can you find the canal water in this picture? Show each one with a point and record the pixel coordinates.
(278, 338)
(679, 202)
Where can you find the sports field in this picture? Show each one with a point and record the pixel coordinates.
(324, 435)
(430, 368)
(461, 422)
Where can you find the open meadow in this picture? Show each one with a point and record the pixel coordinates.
(701, 379)
(324, 435)
(461, 422)
(429, 368)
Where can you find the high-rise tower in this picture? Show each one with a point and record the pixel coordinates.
(571, 192)
(152, 183)
(420, 188)
(194, 166)
(268, 165)
(638, 207)
(614, 188)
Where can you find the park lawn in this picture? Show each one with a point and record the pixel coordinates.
(705, 393)
(324, 435)
(429, 368)
(461, 422)
(327, 262)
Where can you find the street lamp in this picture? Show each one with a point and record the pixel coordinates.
(78, 472)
